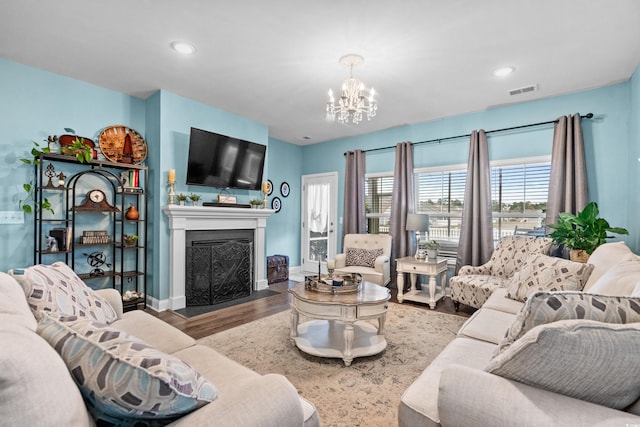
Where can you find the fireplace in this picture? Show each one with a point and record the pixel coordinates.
(183, 219)
(219, 266)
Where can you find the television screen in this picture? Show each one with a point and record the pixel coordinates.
(224, 162)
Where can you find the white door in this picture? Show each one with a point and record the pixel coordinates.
(319, 216)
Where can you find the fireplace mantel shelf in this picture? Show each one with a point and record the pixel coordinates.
(183, 218)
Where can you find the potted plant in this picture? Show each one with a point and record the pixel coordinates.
(256, 203)
(81, 150)
(194, 199)
(583, 232)
(181, 198)
(130, 239)
(25, 204)
(432, 247)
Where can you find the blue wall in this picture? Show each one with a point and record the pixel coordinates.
(37, 103)
(606, 137)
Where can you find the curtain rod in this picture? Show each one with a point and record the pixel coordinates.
(586, 116)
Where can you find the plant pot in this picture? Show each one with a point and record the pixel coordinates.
(130, 242)
(181, 202)
(432, 253)
(578, 255)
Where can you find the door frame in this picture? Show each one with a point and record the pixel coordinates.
(332, 179)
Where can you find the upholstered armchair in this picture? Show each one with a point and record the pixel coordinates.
(473, 285)
(367, 254)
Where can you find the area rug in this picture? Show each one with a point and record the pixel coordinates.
(197, 310)
(368, 392)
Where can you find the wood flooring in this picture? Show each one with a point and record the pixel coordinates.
(230, 317)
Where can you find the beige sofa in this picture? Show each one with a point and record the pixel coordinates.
(562, 358)
(37, 388)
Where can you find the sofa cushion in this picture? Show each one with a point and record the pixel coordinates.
(622, 279)
(363, 257)
(13, 304)
(547, 307)
(120, 376)
(585, 359)
(544, 273)
(35, 386)
(499, 301)
(56, 288)
(604, 257)
(487, 325)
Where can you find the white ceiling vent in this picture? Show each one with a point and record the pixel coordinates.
(525, 89)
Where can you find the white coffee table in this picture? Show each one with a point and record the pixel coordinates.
(337, 328)
(431, 268)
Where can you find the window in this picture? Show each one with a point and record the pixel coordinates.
(377, 203)
(518, 193)
(519, 197)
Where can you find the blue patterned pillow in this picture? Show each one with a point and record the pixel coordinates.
(121, 378)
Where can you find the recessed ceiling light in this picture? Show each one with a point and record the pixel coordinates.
(504, 71)
(183, 48)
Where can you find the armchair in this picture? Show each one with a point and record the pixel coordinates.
(474, 285)
(368, 255)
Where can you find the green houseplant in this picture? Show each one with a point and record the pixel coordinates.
(25, 204)
(194, 198)
(583, 232)
(256, 203)
(432, 247)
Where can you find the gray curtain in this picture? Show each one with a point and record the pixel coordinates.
(476, 237)
(353, 208)
(568, 188)
(402, 202)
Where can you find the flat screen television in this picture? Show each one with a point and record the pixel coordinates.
(224, 162)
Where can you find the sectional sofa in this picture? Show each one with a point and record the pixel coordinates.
(568, 355)
(69, 356)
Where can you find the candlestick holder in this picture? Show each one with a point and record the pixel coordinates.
(265, 199)
(172, 193)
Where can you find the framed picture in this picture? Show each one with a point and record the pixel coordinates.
(284, 189)
(225, 198)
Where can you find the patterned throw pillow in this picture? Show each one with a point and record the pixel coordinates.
(588, 360)
(363, 257)
(120, 376)
(544, 273)
(547, 307)
(56, 288)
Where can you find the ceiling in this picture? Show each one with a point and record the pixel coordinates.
(274, 61)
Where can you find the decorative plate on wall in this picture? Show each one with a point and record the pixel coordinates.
(285, 189)
(276, 204)
(121, 144)
(269, 187)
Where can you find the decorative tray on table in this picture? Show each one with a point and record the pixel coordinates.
(342, 284)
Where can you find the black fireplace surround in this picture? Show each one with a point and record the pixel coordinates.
(219, 266)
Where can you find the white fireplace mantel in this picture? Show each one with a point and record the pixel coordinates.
(183, 218)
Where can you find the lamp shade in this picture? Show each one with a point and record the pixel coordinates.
(417, 222)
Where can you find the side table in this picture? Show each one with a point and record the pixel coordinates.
(431, 268)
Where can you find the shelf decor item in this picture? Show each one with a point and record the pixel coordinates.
(171, 180)
(130, 240)
(194, 199)
(181, 198)
(121, 144)
(132, 213)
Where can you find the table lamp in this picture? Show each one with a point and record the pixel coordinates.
(418, 223)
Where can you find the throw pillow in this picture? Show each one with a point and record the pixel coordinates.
(605, 256)
(540, 272)
(120, 376)
(547, 307)
(588, 360)
(363, 257)
(622, 279)
(56, 288)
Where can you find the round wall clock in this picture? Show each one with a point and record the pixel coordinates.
(284, 189)
(276, 204)
(121, 144)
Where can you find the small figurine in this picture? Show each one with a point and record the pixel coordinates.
(52, 244)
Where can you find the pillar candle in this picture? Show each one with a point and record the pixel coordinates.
(330, 264)
(172, 175)
(265, 187)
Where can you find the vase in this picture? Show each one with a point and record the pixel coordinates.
(132, 213)
(579, 255)
(432, 253)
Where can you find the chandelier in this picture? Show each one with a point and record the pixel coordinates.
(355, 101)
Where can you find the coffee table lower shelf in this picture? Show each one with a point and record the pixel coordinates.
(327, 338)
